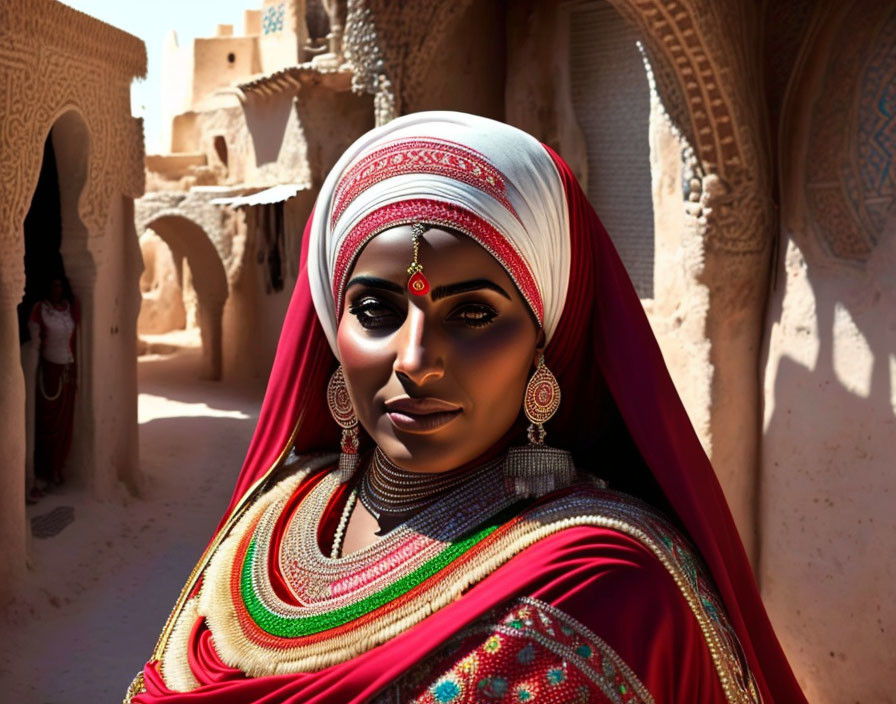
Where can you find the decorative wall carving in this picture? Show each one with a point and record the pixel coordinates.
(850, 179)
(391, 45)
(54, 59)
(709, 86)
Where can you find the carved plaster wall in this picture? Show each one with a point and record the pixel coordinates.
(424, 55)
(55, 61)
(828, 552)
(707, 78)
(849, 183)
(704, 62)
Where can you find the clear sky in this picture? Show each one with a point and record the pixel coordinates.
(150, 21)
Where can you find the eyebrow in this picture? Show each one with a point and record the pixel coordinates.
(375, 282)
(437, 293)
(465, 286)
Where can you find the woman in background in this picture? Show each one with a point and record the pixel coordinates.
(53, 324)
(520, 510)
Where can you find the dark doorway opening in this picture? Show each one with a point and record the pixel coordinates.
(43, 238)
(221, 149)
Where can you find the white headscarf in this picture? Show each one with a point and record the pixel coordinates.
(494, 171)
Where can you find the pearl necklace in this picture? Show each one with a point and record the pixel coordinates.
(336, 550)
(386, 489)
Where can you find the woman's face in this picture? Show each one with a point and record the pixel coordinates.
(55, 291)
(436, 380)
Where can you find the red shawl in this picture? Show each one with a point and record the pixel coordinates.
(620, 415)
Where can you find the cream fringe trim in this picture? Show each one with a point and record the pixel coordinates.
(178, 675)
(174, 652)
(216, 602)
(612, 512)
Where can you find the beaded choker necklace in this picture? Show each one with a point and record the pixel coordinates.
(388, 490)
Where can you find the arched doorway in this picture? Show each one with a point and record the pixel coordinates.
(189, 242)
(56, 249)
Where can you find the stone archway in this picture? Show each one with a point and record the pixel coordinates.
(188, 240)
(705, 60)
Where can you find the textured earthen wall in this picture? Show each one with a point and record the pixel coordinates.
(538, 94)
(422, 55)
(177, 89)
(828, 552)
(249, 349)
(54, 63)
(321, 121)
(220, 61)
(611, 100)
(277, 151)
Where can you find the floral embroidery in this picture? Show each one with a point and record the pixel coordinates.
(447, 689)
(557, 675)
(492, 644)
(539, 661)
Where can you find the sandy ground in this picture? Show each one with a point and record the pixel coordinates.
(100, 591)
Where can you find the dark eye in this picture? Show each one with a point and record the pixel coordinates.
(372, 313)
(474, 315)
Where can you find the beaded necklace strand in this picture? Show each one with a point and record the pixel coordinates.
(339, 537)
(388, 490)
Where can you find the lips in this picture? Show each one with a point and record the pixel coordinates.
(421, 415)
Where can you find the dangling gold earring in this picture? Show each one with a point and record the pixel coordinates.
(537, 469)
(344, 414)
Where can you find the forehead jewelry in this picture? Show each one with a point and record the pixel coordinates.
(418, 283)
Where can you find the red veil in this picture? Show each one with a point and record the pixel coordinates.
(620, 415)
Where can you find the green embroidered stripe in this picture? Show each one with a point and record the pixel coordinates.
(284, 627)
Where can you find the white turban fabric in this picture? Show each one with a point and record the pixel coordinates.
(491, 181)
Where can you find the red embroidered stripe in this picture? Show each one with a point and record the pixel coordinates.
(434, 212)
(418, 156)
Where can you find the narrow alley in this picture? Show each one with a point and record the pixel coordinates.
(100, 589)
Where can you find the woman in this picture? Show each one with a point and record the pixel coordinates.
(53, 323)
(453, 276)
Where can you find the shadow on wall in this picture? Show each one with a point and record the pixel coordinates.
(828, 485)
(267, 121)
(828, 554)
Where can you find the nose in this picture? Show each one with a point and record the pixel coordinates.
(417, 357)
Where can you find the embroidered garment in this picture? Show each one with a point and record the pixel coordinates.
(530, 653)
(272, 602)
(267, 617)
